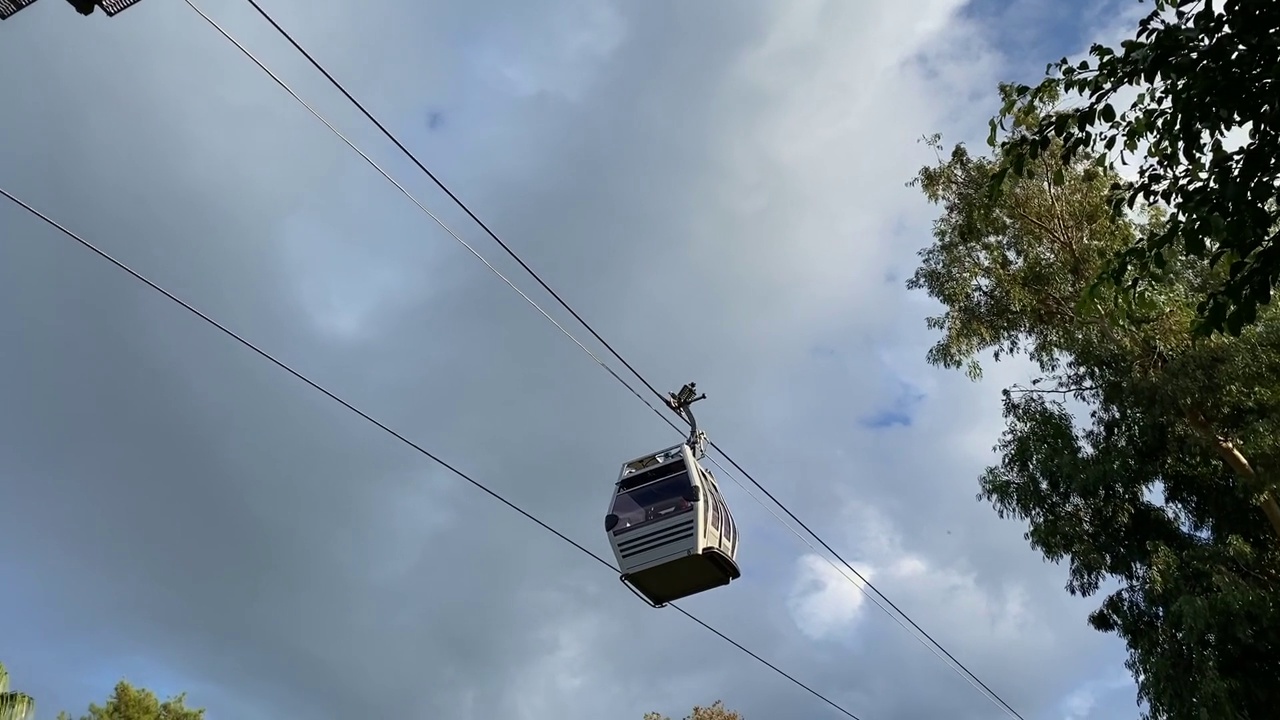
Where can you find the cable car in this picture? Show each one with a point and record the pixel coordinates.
(671, 531)
(84, 7)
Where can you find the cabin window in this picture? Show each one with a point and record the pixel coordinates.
(651, 503)
(713, 500)
(717, 510)
(650, 474)
(707, 506)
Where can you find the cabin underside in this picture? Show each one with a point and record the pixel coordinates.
(9, 7)
(683, 576)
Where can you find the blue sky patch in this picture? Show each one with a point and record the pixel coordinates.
(898, 412)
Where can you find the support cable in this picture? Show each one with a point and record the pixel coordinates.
(859, 582)
(862, 582)
(393, 433)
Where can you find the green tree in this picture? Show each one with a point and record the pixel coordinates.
(130, 703)
(715, 712)
(14, 705)
(1200, 70)
(1155, 491)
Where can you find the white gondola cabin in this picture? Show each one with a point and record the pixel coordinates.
(671, 531)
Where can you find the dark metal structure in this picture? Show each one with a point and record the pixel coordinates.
(85, 7)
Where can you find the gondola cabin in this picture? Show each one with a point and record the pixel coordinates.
(671, 531)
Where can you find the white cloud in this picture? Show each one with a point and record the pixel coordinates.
(563, 667)
(823, 600)
(558, 49)
(348, 288)
(1081, 703)
(812, 174)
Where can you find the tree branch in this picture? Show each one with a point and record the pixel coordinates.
(1237, 462)
(1079, 392)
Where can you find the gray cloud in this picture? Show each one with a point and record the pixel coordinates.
(718, 189)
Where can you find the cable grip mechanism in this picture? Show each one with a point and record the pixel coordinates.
(680, 403)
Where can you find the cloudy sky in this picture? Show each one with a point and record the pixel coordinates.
(717, 186)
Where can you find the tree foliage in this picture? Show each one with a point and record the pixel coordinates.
(14, 705)
(716, 711)
(1200, 71)
(1157, 490)
(130, 703)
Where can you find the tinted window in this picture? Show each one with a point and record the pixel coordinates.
(707, 509)
(648, 475)
(712, 500)
(655, 501)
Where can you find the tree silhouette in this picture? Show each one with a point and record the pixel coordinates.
(716, 711)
